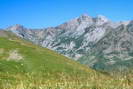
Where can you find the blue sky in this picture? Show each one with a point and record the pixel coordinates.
(47, 13)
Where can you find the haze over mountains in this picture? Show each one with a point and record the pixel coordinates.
(97, 42)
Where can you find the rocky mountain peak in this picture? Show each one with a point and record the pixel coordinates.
(85, 16)
(16, 27)
(103, 18)
(100, 19)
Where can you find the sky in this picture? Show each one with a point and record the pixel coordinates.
(50, 13)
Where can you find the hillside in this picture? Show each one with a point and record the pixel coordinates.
(27, 66)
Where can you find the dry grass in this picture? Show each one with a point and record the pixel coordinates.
(34, 81)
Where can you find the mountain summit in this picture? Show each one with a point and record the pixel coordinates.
(100, 19)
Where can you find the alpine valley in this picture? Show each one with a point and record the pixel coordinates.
(96, 42)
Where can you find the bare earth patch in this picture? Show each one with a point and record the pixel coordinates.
(15, 55)
(1, 50)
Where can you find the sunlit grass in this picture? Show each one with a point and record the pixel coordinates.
(33, 81)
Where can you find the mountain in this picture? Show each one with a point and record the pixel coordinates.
(71, 39)
(81, 37)
(114, 51)
(24, 65)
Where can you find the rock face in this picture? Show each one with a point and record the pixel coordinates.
(114, 51)
(96, 42)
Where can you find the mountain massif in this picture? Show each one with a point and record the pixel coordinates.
(97, 42)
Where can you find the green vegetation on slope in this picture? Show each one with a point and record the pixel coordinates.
(35, 59)
(27, 66)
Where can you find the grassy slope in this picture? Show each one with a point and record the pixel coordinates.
(44, 69)
(35, 59)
